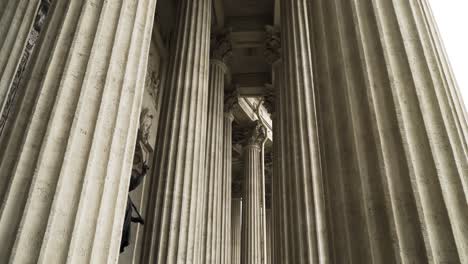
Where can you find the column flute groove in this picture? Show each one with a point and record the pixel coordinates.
(227, 178)
(236, 230)
(181, 154)
(214, 233)
(252, 251)
(392, 113)
(70, 146)
(308, 239)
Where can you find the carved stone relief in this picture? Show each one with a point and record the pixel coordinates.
(153, 82)
(33, 37)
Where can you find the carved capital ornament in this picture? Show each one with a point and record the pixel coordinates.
(272, 44)
(221, 46)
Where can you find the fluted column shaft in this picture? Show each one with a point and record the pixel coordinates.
(278, 212)
(179, 213)
(306, 235)
(214, 165)
(268, 235)
(227, 189)
(236, 228)
(252, 227)
(279, 232)
(66, 156)
(16, 20)
(394, 134)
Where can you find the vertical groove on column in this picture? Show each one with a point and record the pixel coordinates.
(201, 219)
(346, 211)
(82, 103)
(430, 189)
(268, 227)
(402, 207)
(227, 191)
(180, 156)
(285, 232)
(379, 227)
(276, 231)
(303, 177)
(214, 163)
(236, 230)
(393, 133)
(445, 141)
(452, 88)
(252, 251)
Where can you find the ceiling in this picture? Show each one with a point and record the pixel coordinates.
(248, 7)
(247, 20)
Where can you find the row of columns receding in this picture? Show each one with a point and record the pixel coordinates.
(370, 149)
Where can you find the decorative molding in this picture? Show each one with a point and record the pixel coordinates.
(33, 37)
(221, 46)
(272, 44)
(269, 98)
(256, 134)
(231, 100)
(153, 85)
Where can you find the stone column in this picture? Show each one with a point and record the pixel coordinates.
(66, 158)
(268, 235)
(394, 134)
(180, 155)
(16, 21)
(227, 185)
(306, 238)
(273, 104)
(214, 235)
(236, 228)
(252, 227)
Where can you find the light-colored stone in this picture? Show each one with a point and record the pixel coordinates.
(394, 141)
(303, 213)
(236, 230)
(253, 251)
(380, 136)
(227, 188)
(179, 215)
(68, 153)
(268, 235)
(214, 166)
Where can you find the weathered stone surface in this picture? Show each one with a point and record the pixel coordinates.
(236, 230)
(67, 155)
(227, 188)
(375, 151)
(215, 189)
(17, 19)
(176, 233)
(304, 238)
(253, 232)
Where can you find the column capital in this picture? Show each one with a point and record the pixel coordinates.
(221, 46)
(230, 101)
(229, 115)
(269, 98)
(255, 134)
(272, 44)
